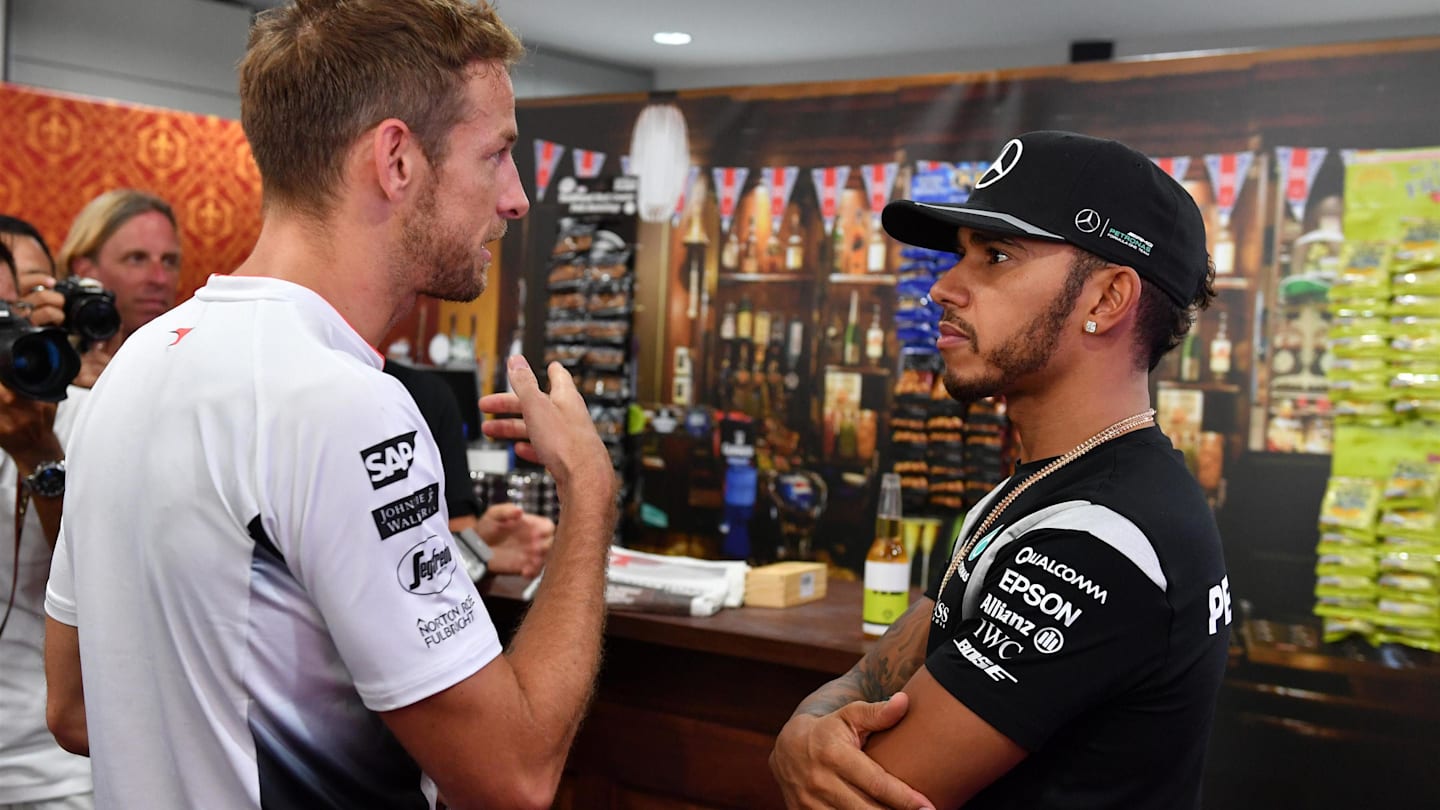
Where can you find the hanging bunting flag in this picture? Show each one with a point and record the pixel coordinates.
(729, 182)
(625, 165)
(547, 157)
(829, 185)
(780, 180)
(587, 163)
(1227, 177)
(879, 179)
(1298, 168)
(685, 192)
(1176, 167)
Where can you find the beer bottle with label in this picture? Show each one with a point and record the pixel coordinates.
(875, 339)
(887, 566)
(850, 354)
(1220, 349)
(794, 245)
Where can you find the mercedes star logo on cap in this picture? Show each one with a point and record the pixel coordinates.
(1009, 157)
(1088, 220)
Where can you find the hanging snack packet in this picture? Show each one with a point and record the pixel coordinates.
(1352, 503)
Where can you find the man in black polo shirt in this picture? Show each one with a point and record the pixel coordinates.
(1071, 653)
(515, 542)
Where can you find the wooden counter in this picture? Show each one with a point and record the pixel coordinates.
(688, 708)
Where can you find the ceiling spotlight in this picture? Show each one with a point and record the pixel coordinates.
(672, 38)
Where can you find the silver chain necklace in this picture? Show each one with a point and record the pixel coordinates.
(1125, 425)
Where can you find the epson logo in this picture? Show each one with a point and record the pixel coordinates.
(427, 567)
(389, 461)
(1036, 596)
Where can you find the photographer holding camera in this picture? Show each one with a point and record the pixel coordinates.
(129, 242)
(36, 363)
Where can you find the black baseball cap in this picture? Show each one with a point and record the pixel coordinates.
(1096, 194)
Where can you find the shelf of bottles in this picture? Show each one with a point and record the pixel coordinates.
(1204, 388)
(1296, 361)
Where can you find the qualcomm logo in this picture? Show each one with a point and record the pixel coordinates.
(1088, 220)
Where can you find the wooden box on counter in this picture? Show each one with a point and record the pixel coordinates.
(784, 584)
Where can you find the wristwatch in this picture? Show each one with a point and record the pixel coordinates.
(48, 480)
(475, 553)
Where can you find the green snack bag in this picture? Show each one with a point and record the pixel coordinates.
(1414, 483)
(1351, 503)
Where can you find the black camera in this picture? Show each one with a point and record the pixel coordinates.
(35, 362)
(90, 311)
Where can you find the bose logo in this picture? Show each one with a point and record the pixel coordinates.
(389, 461)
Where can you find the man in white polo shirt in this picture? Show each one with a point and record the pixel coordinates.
(254, 603)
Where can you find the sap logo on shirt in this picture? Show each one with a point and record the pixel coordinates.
(427, 567)
(1219, 604)
(389, 461)
(408, 512)
(1036, 596)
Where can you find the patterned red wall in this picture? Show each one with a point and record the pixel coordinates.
(57, 152)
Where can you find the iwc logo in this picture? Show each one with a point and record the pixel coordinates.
(1088, 220)
(1003, 165)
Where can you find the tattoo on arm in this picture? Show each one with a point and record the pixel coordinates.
(883, 671)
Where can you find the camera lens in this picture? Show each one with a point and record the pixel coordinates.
(39, 364)
(35, 361)
(95, 318)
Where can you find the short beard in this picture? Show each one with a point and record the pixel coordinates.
(1030, 348)
(427, 244)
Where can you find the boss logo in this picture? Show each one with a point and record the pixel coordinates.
(389, 461)
(427, 567)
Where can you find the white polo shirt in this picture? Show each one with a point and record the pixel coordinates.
(255, 551)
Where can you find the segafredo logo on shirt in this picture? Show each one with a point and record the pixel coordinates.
(389, 461)
(427, 567)
(408, 512)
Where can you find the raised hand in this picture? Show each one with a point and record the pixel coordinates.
(554, 429)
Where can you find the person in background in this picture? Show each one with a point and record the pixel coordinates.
(255, 601)
(34, 266)
(129, 241)
(508, 540)
(1071, 654)
(35, 773)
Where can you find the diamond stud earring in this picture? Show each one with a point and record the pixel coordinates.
(1090, 327)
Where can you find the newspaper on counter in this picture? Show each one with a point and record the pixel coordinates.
(682, 586)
